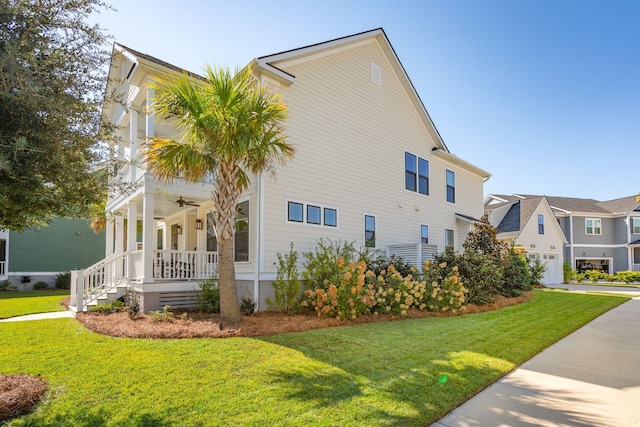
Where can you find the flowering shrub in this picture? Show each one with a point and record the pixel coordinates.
(359, 291)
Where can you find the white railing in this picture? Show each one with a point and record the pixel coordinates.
(90, 284)
(3, 268)
(172, 265)
(414, 254)
(635, 267)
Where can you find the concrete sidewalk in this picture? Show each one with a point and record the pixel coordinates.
(590, 378)
(40, 316)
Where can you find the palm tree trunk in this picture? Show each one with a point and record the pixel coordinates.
(226, 195)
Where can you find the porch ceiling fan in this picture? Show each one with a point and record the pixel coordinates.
(181, 202)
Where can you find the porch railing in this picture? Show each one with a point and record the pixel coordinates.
(91, 283)
(414, 254)
(3, 268)
(635, 267)
(172, 265)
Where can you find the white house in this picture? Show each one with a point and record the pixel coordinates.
(530, 225)
(370, 167)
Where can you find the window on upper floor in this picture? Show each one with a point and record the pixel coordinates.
(593, 226)
(416, 174)
(448, 239)
(540, 224)
(635, 225)
(451, 186)
(369, 231)
(424, 233)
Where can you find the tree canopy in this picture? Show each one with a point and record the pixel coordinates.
(52, 78)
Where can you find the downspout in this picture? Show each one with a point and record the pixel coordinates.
(629, 248)
(258, 257)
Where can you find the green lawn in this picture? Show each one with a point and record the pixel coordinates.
(18, 303)
(378, 374)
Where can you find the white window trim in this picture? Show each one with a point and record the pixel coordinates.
(632, 229)
(446, 185)
(304, 214)
(428, 232)
(364, 230)
(248, 261)
(594, 226)
(404, 179)
(453, 244)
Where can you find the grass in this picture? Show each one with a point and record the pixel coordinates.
(19, 303)
(377, 374)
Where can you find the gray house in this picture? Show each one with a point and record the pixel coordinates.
(600, 235)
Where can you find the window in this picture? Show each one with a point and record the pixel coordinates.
(241, 247)
(416, 174)
(369, 231)
(410, 172)
(424, 234)
(448, 238)
(314, 214)
(212, 240)
(593, 226)
(158, 239)
(636, 225)
(330, 217)
(451, 186)
(295, 212)
(540, 224)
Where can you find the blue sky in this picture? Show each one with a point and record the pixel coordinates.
(543, 94)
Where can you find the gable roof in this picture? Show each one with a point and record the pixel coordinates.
(518, 216)
(269, 64)
(574, 204)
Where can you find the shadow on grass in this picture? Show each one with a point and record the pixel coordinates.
(92, 418)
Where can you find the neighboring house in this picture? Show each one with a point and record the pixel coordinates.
(600, 235)
(370, 167)
(529, 225)
(40, 254)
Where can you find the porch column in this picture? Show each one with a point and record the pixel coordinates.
(132, 212)
(133, 142)
(147, 236)
(109, 238)
(119, 244)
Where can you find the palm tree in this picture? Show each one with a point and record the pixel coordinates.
(230, 126)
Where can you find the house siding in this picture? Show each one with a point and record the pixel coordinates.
(351, 136)
(62, 246)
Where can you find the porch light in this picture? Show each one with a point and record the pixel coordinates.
(199, 224)
(179, 229)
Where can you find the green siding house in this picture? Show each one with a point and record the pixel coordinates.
(40, 254)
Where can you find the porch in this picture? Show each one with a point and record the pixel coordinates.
(110, 278)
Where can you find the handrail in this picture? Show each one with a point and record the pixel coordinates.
(95, 281)
(174, 264)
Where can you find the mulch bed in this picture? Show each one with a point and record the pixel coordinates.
(19, 393)
(199, 325)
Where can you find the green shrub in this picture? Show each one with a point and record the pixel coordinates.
(481, 275)
(568, 272)
(131, 301)
(40, 285)
(247, 306)
(6, 285)
(580, 277)
(161, 316)
(592, 275)
(109, 307)
(286, 287)
(381, 262)
(320, 267)
(536, 271)
(208, 297)
(515, 275)
(627, 276)
(63, 280)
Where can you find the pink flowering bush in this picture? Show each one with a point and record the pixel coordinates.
(359, 291)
